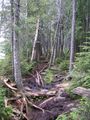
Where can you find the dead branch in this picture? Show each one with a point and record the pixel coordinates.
(43, 68)
(42, 92)
(39, 80)
(16, 111)
(45, 102)
(35, 106)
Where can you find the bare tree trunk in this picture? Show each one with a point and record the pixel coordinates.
(53, 48)
(35, 40)
(17, 70)
(12, 34)
(72, 35)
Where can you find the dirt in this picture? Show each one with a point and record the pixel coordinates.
(52, 106)
(53, 109)
(58, 104)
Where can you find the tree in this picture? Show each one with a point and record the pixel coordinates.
(12, 32)
(15, 45)
(35, 41)
(72, 35)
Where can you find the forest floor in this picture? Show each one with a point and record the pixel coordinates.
(51, 99)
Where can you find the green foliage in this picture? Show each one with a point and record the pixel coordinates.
(5, 113)
(62, 117)
(83, 62)
(26, 67)
(66, 54)
(49, 76)
(64, 65)
(80, 79)
(63, 61)
(6, 66)
(71, 116)
(85, 109)
(58, 60)
(81, 72)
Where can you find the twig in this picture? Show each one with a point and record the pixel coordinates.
(19, 112)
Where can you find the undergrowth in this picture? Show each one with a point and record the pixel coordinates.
(81, 71)
(63, 62)
(6, 66)
(49, 76)
(5, 112)
(26, 67)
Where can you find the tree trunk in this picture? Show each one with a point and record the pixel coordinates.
(35, 41)
(17, 70)
(12, 34)
(72, 35)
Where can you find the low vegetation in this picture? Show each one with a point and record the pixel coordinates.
(5, 112)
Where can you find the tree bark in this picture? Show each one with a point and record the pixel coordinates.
(12, 34)
(35, 40)
(72, 35)
(17, 70)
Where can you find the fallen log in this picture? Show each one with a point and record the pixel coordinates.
(82, 92)
(47, 93)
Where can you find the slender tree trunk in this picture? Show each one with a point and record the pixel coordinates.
(17, 70)
(72, 35)
(12, 34)
(35, 41)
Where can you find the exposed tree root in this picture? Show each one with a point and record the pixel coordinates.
(9, 85)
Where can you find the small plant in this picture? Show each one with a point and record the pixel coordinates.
(74, 115)
(85, 109)
(62, 117)
(59, 60)
(26, 67)
(6, 66)
(64, 65)
(5, 113)
(49, 76)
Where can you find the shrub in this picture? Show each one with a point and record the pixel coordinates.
(71, 116)
(49, 76)
(81, 72)
(84, 111)
(62, 117)
(83, 62)
(6, 66)
(64, 65)
(5, 113)
(58, 60)
(26, 67)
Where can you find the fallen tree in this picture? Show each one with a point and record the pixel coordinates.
(82, 92)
